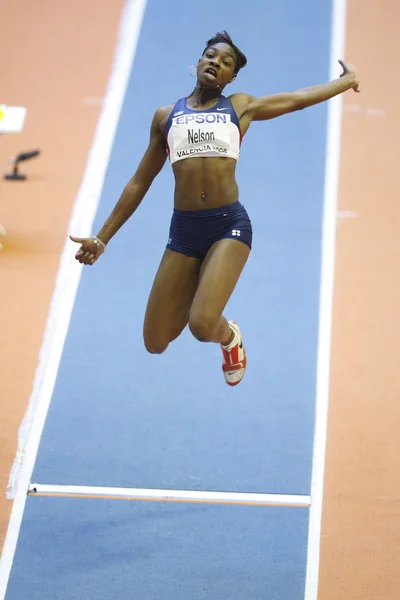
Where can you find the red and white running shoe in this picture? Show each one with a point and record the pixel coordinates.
(234, 357)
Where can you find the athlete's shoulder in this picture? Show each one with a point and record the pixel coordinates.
(163, 112)
(240, 102)
(161, 117)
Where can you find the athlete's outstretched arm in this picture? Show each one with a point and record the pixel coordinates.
(132, 195)
(270, 107)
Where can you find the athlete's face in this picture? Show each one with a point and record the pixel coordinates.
(216, 68)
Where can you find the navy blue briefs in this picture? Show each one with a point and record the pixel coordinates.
(193, 232)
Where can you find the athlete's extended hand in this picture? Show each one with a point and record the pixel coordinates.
(349, 71)
(90, 250)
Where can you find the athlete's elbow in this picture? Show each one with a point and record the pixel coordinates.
(292, 104)
(298, 101)
(143, 179)
(137, 186)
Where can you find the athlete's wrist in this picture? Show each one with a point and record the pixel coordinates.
(349, 79)
(100, 242)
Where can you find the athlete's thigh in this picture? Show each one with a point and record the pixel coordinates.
(219, 275)
(170, 298)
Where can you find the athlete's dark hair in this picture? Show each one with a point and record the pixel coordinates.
(224, 37)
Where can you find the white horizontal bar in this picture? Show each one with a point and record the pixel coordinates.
(114, 493)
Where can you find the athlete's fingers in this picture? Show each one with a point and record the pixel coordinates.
(80, 254)
(83, 258)
(91, 259)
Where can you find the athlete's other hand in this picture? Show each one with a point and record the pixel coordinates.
(89, 251)
(350, 72)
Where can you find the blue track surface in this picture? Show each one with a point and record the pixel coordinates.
(121, 417)
(108, 550)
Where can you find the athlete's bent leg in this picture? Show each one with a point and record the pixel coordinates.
(170, 299)
(219, 275)
(218, 278)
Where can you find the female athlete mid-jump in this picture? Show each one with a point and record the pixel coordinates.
(210, 234)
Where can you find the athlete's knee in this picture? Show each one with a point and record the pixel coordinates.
(201, 328)
(155, 346)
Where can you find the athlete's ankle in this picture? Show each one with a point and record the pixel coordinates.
(230, 340)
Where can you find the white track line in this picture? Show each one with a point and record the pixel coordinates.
(68, 278)
(326, 301)
(114, 493)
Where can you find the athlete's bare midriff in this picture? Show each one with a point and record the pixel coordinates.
(205, 182)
